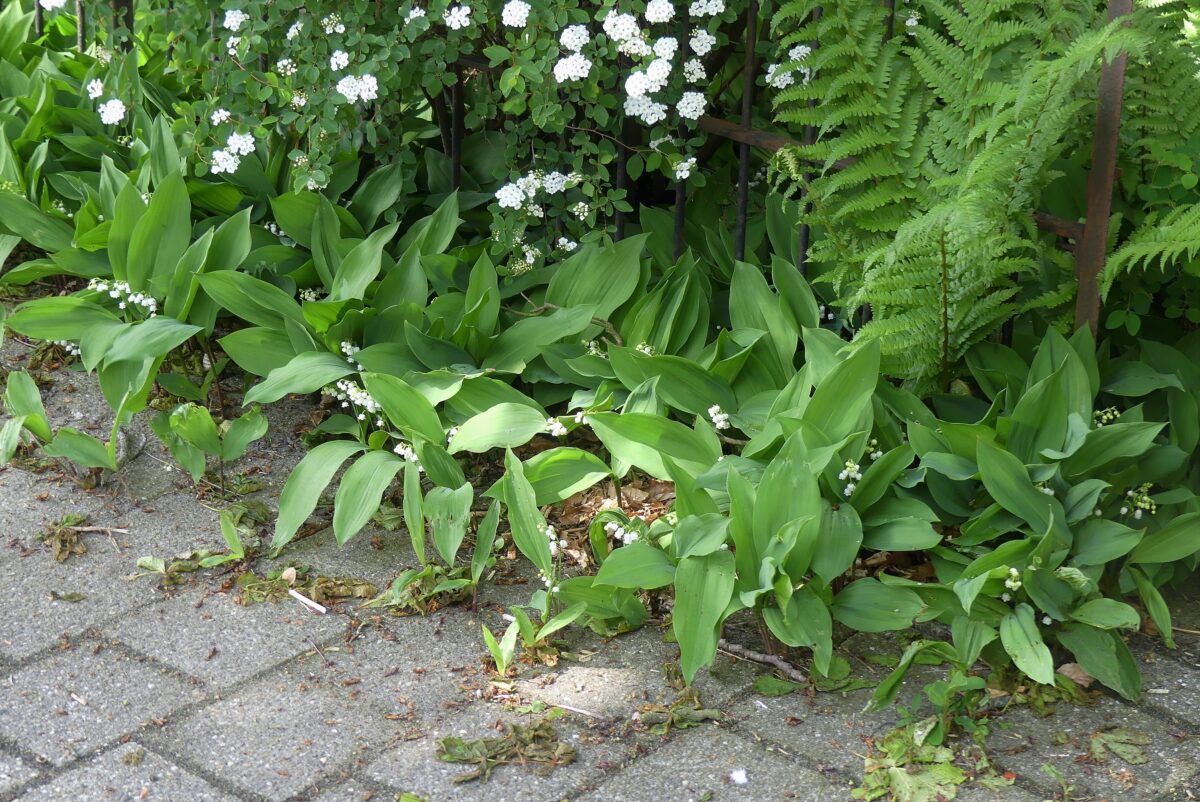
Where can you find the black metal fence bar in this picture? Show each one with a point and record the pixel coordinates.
(457, 126)
(743, 189)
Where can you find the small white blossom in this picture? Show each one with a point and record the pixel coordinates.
(295, 29)
(95, 89)
(666, 47)
(299, 100)
(510, 196)
(565, 244)
(554, 182)
(52, 5)
(112, 112)
(368, 86)
(701, 42)
(555, 426)
(621, 27)
(234, 19)
(406, 451)
(457, 17)
(659, 11)
(691, 105)
(574, 37)
(231, 45)
(1013, 582)
(1047, 620)
(637, 84)
(683, 170)
(719, 418)
(779, 78)
(224, 162)
(635, 48)
(657, 73)
(738, 776)
(332, 24)
(220, 116)
(693, 70)
(575, 67)
(646, 110)
(240, 144)
(285, 67)
(706, 8)
(515, 13)
(339, 60)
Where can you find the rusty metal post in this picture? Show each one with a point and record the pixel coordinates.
(80, 27)
(1090, 255)
(743, 189)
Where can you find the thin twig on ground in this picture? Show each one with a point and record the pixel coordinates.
(788, 670)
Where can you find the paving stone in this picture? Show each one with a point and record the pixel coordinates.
(826, 731)
(412, 766)
(279, 734)
(149, 475)
(74, 702)
(1021, 742)
(412, 666)
(697, 766)
(373, 554)
(129, 773)
(220, 641)
(617, 676)
(1170, 680)
(13, 773)
(30, 501)
(1013, 793)
(36, 582)
(352, 791)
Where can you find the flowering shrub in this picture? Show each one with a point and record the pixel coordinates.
(561, 91)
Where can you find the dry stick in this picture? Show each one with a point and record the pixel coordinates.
(788, 670)
(575, 710)
(106, 529)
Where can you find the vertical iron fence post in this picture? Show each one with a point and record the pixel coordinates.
(622, 179)
(681, 184)
(457, 113)
(810, 137)
(1090, 254)
(749, 71)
